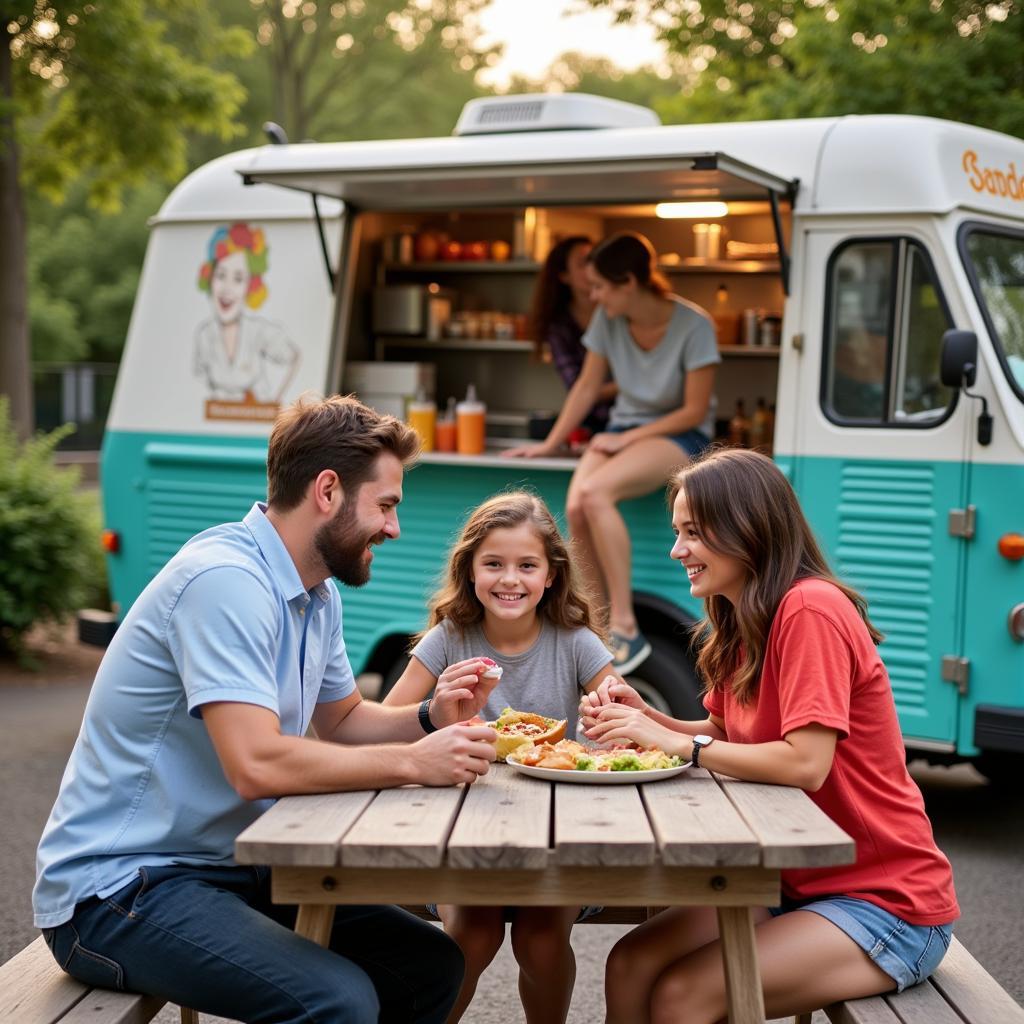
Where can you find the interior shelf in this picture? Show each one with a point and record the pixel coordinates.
(693, 264)
(750, 351)
(473, 344)
(474, 266)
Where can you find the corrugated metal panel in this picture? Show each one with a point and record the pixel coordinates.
(887, 521)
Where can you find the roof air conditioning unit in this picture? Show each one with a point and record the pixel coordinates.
(550, 112)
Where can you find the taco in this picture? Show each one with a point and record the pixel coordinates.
(521, 729)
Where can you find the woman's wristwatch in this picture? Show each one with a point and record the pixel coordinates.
(699, 743)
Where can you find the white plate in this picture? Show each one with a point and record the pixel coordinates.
(599, 778)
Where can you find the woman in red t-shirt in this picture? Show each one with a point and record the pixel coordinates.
(798, 696)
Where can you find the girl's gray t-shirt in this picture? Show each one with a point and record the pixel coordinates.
(653, 383)
(547, 678)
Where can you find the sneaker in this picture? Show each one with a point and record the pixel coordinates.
(628, 653)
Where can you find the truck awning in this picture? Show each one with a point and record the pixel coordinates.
(569, 181)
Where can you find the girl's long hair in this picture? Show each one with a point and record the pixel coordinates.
(551, 294)
(626, 253)
(741, 505)
(565, 603)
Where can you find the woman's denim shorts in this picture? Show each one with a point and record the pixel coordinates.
(908, 953)
(693, 442)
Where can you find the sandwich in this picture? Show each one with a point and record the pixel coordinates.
(522, 729)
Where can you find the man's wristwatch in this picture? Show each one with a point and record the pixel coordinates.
(424, 716)
(699, 743)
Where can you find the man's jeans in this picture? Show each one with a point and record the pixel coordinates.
(211, 940)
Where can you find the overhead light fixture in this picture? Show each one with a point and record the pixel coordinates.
(692, 211)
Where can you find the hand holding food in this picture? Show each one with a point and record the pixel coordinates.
(520, 729)
(621, 723)
(462, 689)
(611, 691)
(459, 753)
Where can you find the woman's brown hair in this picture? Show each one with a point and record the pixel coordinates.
(565, 603)
(552, 294)
(741, 505)
(629, 253)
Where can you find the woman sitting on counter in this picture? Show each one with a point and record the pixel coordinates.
(561, 310)
(661, 353)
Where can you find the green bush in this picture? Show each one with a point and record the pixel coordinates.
(50, 561)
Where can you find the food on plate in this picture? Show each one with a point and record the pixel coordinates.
(521, 729)
(494, 670)
(572, 756)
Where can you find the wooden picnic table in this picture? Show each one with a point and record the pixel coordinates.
(691, 840)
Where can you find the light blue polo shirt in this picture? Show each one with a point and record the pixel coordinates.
(227, 619)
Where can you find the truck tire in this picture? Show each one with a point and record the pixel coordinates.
(667, 680)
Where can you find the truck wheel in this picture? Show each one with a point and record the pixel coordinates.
(668, 682)
(1003, 769)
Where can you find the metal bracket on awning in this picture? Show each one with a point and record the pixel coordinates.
(712, 163)
(323, 240)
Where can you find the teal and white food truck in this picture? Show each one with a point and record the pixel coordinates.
(836, 256)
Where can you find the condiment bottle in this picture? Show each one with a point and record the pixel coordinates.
(727, 322)
(739, 426)
(422, 417)
(444, 433)
(470, 424)
(759, 428)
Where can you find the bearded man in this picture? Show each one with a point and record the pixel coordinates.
(197, 721)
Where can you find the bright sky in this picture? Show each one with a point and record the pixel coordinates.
(535, 32)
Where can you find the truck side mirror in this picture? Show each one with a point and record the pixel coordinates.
(958, 363)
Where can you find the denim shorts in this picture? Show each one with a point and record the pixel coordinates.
(908, 953)
(693, 442)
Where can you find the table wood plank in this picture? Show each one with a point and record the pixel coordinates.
(694, 822)
(975, 994)
(792, 830)
(556, 886)
(601, 826)
(403, 828)
(302, 829)
(505, 822)
(923, 1004)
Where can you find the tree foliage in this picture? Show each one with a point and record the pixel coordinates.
(50, 559)
(368, 68)
(766, 59)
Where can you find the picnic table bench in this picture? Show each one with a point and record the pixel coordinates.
(690, 840)
(34, 990)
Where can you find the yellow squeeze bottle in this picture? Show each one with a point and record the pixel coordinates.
(422, 417)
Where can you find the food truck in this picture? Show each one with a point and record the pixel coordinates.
(866, 279)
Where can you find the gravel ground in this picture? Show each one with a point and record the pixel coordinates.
(982, 834)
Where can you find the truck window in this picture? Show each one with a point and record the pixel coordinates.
(885, 321)
(995, 265)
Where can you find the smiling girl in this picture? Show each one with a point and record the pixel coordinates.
(796, 695)
(512, 595)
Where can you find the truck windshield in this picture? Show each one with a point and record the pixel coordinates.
(996, 265)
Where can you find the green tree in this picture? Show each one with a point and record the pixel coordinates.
(95, 86)
(369, 68)
(599, 76)
(753, 59)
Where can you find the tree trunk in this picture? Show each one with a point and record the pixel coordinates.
(15, 370)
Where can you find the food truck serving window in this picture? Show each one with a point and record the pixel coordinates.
(995, 264)
(884, 324)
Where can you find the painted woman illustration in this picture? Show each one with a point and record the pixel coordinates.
(244, 358)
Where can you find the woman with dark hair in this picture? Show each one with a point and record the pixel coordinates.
(561, 310)
(661, 353)
(796, 695)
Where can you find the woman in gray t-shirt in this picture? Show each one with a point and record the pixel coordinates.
(661, 352)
